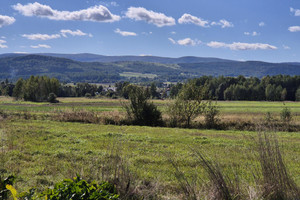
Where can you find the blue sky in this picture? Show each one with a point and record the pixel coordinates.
(267, 30)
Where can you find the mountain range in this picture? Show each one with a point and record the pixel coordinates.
(99, 68)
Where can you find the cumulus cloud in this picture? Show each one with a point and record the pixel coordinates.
(39, 36)
(261, 24)
(2, 44)
(286, 47)
(66, 32)
(40, 46)
(254, 33)
(295, 11)
(6, 20)
(142, 14)
(294, 28)
(241, 46)
(185, 42)
(96, 14)
(125, 33)
(223, 23)
(190, 19)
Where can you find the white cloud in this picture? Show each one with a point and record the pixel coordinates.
(241, 46)
(223, 23)
(294, 28)
(185, 42)
(295, 11)
(125, 33)
(254, 33)
(286, 47)
(261, 24)
(142, 14)
(95, 14)
(2, 44)
(39, 36)
(78, 32)
(173, 32)
(172, 40)
(6, 20)
(41, 46)
(190, 19)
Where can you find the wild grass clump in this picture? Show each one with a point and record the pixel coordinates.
(276, 183)
(272, 179)
(75, 115)
(115, 169)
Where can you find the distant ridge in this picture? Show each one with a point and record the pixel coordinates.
(67, 68)
(87, 57)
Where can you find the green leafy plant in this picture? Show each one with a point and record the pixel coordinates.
(4, 190)
(80, 189)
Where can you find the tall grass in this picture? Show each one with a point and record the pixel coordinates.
(273, 181)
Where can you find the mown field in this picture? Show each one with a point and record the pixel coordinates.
(41, 151)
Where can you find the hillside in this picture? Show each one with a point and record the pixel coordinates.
(13, 66)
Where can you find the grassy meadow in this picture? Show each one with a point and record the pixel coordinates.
(41, 151)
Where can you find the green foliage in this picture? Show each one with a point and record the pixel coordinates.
(80, 189)
(139, 110)
(188, 105)
(36, 88)
(4, 192)
(286, 115)
(52, 98)
(210, 114)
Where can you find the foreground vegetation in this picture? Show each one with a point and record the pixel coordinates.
(41, 153)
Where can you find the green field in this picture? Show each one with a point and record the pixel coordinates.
(41, 152)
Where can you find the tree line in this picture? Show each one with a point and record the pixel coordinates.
(269, 88)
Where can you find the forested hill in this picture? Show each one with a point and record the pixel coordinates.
(13, 66)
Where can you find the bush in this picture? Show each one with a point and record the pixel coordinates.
(188, 105)
(81, 189)
(210, 114)
(286, 115)
(139, 110)
(52, 98)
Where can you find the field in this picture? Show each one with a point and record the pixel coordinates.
(41, 151)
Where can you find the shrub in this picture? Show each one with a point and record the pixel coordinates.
(52, 98)
(139, 110)
(286, 115)
(210, 115)
(188, 105)
(81, 189)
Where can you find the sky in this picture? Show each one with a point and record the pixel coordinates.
(265, 30)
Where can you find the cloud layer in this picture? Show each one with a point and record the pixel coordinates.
(294, 28)
(125, 33)
(66, 32)
(223, 23)
(190, 19)
(185, 42)
(241, 46)
(39, 36)
(142, 14)
(295, 11)
(95, 14)
(2, 44)
(6, 20)
(40, 46)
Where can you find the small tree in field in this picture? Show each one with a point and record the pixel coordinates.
(139, 110)
(188, 105)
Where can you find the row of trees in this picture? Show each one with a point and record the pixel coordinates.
(36, 88)
(269, 88)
